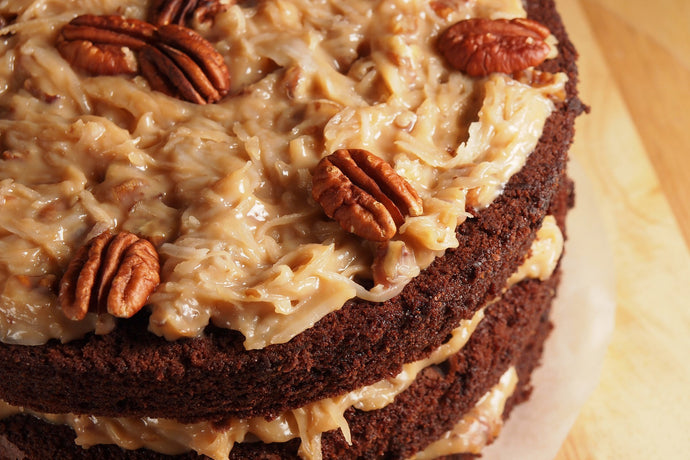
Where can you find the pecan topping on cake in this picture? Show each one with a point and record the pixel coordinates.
(183, 64)
(174, 59)
(113, 273)
(182, 11)
(482, 46)
(364, 194)
(104, 45)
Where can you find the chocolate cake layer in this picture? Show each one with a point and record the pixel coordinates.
(131, 372)
(512, 333)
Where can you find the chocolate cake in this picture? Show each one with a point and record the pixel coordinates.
(273, 303)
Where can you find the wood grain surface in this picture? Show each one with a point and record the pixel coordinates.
(635, 148)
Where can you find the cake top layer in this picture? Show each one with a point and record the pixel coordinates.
(223, 190)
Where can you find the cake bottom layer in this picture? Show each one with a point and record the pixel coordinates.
(511, 334)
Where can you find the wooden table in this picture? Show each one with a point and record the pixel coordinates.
(635, 148)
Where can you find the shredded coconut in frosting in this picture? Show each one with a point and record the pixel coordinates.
(223, 190)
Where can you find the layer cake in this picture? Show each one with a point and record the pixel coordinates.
(274, 327)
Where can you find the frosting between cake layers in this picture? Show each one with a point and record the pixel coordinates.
(474, 431)
(479, 426)
(223, 190)
(544, 254)
(310, 421)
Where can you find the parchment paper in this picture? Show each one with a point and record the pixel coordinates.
(583, 315)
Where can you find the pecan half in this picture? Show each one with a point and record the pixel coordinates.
(104, 45)
(481, 46)
(180, 12)
(113, 273)
(174, 59)
(181, 63)
(364, 194)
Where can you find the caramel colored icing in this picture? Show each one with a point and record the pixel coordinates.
(544, 254)
(223, 190)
